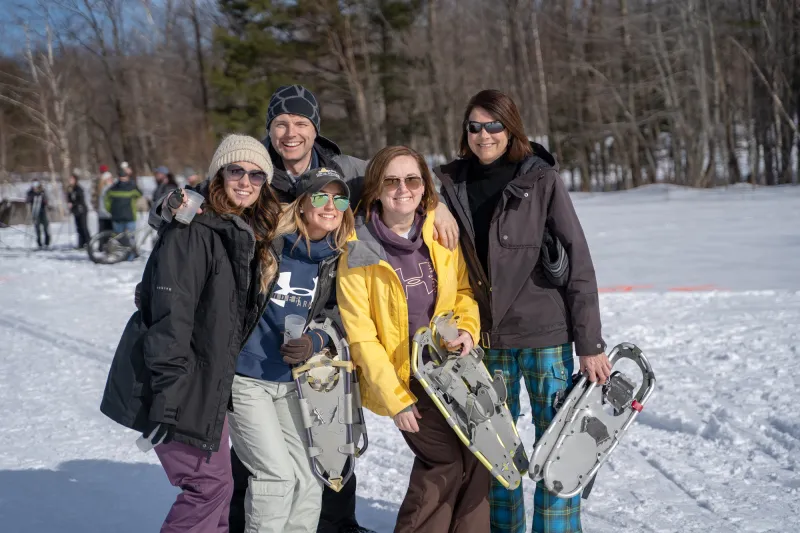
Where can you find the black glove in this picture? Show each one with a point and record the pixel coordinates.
(298, 350)
(159, 433)
(175, 199)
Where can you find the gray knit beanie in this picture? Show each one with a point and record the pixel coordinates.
(294, 100)
(235, 148)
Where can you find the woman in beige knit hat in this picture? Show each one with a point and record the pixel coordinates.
(202, 293)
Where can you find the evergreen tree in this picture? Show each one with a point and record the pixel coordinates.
(351, 53)
(251, 64)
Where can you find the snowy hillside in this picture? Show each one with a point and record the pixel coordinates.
(707, 283)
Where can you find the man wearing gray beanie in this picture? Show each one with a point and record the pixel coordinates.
(296, 146)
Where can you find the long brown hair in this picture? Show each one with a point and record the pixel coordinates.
(291, 220)
(262, 217)
(502, 108)
(373, 180)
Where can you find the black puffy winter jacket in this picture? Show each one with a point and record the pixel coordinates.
(176, 360)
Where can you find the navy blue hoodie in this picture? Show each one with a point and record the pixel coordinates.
(293, 294)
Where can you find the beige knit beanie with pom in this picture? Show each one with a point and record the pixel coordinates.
(235, 148)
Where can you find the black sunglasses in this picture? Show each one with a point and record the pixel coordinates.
(234, 172)
(494, 126)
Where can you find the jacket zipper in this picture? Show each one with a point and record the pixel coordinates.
(322, 266)
(493, 226)
(399, 284)
(250, 255)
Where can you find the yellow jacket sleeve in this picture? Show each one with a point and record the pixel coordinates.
(368, 353)
(466, 307)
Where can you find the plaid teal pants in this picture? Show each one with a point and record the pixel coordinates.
(545, 371)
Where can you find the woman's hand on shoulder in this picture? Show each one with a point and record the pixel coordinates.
(445, 227)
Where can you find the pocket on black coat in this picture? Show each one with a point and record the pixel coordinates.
(126, 397)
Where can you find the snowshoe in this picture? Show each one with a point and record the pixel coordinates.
(589, 424)
(470, 399)
(330, 402)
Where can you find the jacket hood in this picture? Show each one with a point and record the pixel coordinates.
(365, 248)
(224, 225)
(541, 159)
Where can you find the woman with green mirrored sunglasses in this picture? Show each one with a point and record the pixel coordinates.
(266, 427)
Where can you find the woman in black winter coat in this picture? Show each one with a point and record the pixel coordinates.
(203, 290)
(76, 201)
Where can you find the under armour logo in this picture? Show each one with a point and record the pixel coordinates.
(425, 278)
(295, 295)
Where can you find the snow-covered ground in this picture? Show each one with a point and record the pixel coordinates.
(716, 450)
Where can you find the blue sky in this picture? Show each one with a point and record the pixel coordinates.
(13, 15)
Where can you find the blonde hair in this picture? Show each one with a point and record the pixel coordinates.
(291, 221)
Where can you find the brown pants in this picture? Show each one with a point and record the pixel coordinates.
(449, 488)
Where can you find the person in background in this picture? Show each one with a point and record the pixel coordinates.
(192, 178)
(506, 193)
(202, 292)
(393, 279)
(120, 201)
(103, 216)
(76, 202)
(99, 183)
(127, 169)
(165, 182)
(38, 204)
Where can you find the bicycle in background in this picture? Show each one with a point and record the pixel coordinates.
(109, 247)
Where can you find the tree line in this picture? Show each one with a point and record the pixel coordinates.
(623, 92)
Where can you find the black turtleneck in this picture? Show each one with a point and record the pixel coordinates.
(485, 184)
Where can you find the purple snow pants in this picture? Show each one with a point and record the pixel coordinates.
(206, 485)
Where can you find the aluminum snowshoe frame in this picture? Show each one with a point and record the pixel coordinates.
(471, 401)
(330, 404)
(589, 424)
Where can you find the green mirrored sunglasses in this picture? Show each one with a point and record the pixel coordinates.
(340, 202)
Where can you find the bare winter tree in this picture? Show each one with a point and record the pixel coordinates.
(46, 101)
(624, 92)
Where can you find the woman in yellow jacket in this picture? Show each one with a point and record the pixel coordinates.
(393, 279)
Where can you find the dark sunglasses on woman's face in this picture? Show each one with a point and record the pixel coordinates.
(234, 173)
(340, 202)
(412, 183)
(492, 127)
